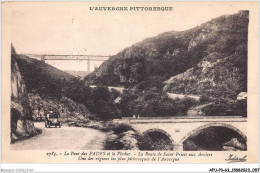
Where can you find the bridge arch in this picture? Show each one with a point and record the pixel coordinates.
(161, 131)
(198, 130)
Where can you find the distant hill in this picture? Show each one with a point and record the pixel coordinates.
(40, 77)
(42, 67)
(209, 59)
(81, 74)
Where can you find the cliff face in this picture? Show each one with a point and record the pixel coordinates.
(213, 76)
(21, 124)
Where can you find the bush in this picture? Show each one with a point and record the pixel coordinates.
(98, 100)
(121, 128)
(101, 102)
(240, 108)
(225, 108)
(121, 137)
(204, 98)
(152, 103)
(113, 143)
(215, 110)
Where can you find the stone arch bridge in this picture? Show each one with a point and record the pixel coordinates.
(178, 129)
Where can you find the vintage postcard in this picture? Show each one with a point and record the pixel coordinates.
(129, 82)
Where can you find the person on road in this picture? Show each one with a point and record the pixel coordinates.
(41, 114)
(48, 114)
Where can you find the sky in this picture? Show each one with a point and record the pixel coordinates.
(70, 28)
(73, 29)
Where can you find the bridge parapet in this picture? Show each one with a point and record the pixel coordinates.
(183, 119)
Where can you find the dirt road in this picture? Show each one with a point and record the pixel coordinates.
(76, 138)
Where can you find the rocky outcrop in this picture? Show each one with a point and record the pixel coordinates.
(21, 124)
(233, 145)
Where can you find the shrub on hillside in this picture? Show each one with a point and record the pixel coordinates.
(101, 102)
(121, 128)
(215, 110)
(225, 108)
(240, 107)
(151, 103)
(204, 98)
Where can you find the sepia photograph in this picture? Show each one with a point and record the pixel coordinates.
(130, 77)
